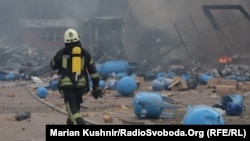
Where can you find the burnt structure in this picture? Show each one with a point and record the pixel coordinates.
(220, 33)
(208, 12)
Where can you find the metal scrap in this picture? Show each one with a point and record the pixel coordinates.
(16, 57)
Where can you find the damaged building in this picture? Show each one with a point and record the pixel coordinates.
(127, 32)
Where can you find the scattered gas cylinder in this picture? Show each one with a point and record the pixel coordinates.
(10, 76)
(98, 66)
(238, 78)
(121, 75)
(42, 92)
(233, 104)
(126, 86)
(202, 115)
(111, 84)
(234, 109)
(150, 105)
(53, 85)
(192, 82)
(157, 85)
(204, 78)
(166, 83)
(116, 67)
(102, 84)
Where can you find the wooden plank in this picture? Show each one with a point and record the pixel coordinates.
(174, 83)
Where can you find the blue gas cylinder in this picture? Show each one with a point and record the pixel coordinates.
(42, 92)
(202, 115)
(170, 74)
(98, 67)
(235, 105)
(161, 74)
(243, 78)
(53, 84)
(157, 85)
(121, 75)
(166, 83)
(126, 86)
(109, 67)
(111, 84)
(237, 98)
(10, 76)
(204, 78)
(148, 105)
(234, 109)
(102, 84)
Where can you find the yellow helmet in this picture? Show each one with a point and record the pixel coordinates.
(71, 36)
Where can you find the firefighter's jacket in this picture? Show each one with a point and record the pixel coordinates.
(62, 61)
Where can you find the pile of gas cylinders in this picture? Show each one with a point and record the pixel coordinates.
(120, 76)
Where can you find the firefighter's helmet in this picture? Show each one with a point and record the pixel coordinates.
(71, 36)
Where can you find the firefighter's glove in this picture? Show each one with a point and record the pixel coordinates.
(97, 93)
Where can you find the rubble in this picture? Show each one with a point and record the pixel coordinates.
(22, 60)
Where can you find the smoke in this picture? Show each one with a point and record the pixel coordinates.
(153, 15)
(162, 14)
(12, 11)
(47, 8)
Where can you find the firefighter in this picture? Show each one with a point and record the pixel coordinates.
(75, 67)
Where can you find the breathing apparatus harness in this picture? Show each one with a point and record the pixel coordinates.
(72, 68)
